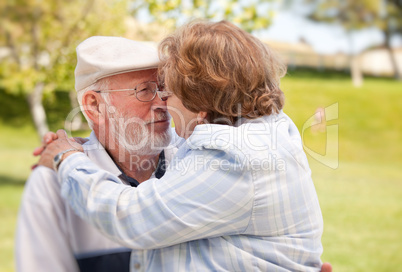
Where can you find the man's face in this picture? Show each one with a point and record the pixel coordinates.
(142, 128)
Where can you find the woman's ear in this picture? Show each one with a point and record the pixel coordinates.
(202, 117)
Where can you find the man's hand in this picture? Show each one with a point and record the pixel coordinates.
(57, 145)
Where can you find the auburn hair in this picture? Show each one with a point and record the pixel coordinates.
(220, 69)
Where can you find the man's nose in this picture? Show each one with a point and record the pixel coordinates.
(158, 104)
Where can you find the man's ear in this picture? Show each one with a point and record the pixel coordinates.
(92, 104)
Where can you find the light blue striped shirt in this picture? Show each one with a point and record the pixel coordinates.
(234, 198)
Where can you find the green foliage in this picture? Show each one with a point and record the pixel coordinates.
(354, 15)
(250, 15)
(14, 109)
(392, 16)
(349, 13)
(41, 37)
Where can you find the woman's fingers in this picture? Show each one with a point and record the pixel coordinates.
(61, 134)
(49, 137)
(37, 151)
(55, 147)
(54, 143)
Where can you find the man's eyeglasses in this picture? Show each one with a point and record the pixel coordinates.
(145, 92)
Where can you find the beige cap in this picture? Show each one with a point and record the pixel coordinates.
(99, 57)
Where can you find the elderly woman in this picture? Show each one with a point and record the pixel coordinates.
(239, 194)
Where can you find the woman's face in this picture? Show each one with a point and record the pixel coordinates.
(184, 120)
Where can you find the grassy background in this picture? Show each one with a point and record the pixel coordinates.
(361, 200)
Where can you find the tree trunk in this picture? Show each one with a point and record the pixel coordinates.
(355, 66)
(356, 71)
(37, 110)
(394, 63)
(76, 122)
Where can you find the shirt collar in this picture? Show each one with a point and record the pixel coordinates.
(97, 153)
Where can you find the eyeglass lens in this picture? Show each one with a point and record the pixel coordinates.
(146, 91)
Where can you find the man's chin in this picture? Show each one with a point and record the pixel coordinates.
(154, 144)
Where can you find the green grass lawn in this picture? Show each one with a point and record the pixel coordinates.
(16, 146)
(361, 200)
(15, 160)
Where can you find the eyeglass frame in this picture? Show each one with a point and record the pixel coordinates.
(163, 95)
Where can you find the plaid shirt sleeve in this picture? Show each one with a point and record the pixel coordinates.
(194, 200)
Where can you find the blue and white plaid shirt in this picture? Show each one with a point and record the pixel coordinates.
(233, 199)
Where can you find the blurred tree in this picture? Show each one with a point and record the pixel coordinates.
(40, 38)
(250, 15)
(390, 22)
(355, 15)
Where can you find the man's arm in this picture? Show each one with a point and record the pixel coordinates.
(41, 240)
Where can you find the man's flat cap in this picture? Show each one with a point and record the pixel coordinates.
(99, 57)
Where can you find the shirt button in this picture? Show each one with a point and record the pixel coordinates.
(137, 266)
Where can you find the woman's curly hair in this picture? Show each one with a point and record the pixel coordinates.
(222, 70)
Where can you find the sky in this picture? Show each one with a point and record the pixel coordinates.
(324, 38)
(290, 25)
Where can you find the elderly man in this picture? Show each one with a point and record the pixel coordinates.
(116, 81)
